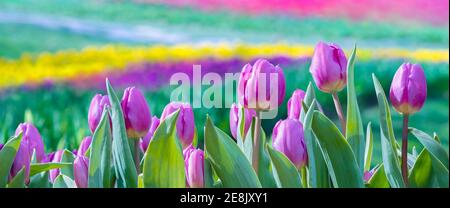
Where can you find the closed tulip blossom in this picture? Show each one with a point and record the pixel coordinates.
(31, 142)
(80, 171)
(288, 138)
(98, 102)
(234, 119)
(261, 86)
(294, 105)
(148, 137)
(185, 122)
(84, 146)
(56, 159)
(329, 71)
(136, 113)
(194, 165)
(408, 94)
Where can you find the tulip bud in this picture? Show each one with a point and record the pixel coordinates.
(84, 146)
(234, 119)
(261, 87)
(148, 137)
(56, 159)
(294, 105)
(408, 89)
(288, 138)
(187, 151)
(136, 113)
(96, 110)
(185, 121)
(329, 67)
(31, 142)
(80, 171)
(194, 164)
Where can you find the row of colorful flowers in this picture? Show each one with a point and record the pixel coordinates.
(71, 64)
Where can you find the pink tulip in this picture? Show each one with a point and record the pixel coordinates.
(194, 164)
(185, 121)
(56, 159)
(234, 119)
(136, 113)
(96, 110)
(288, 138)
(80, 171)
(294, 105)
(148, 137)
(84, 146)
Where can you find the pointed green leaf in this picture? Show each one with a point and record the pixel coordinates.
(369, 147)
(388, 143)
(209, 178)
(318, 171)
(40, 180)
(435, 148)
(286, 175)
(123, 160)
(19, 180)
(265, 173)
(228, 161)
(338, 155)
(164, 163)
(310, 96)
(67, 157)
(100, 155)
(421, 175)
(7, 156)
(42, 167)
(63, 181)
(378, 179)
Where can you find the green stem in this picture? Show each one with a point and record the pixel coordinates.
(256, 140)
(339, 111)
(405, 149)
(304, 176)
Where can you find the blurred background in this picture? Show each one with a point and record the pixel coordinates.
(56, 54)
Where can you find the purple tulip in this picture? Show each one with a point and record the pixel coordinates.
(185, 121)
(1, 146)
(136, 113)
(261, 77)
(96, 110)
(31, 141)
(234, 119)
(408, 89)
(329, 67)
(148, 137)
(294, 105)
(288, 138)
(56, 159)
(84, 145)
(187, 151)
(194, 164)
(80, 171)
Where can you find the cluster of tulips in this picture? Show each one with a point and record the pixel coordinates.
(130, 148)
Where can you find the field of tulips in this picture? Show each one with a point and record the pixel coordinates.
(85, 99)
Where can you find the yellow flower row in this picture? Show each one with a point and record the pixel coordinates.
(71, 64)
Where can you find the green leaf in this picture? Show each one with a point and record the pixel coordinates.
(100, 155)
(42, 167)
(7, 156)
(123, 160)
(228, 161)
(421, 175)
(354, 130)
(310, 96)
(318, 171)
(40, 180)
(286, 174)
(369, 148)
(247, 147)
(265, 173)
(338, 155)
(67, 157)
(164, 163)
(63, 181)
(378, 179)
(388, 143)
(141, 180)
(19, 180)
(241, 129)
(209, 178)
(434, 147)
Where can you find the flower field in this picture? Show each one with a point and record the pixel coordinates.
(85, 94)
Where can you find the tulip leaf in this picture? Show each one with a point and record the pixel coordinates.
(265, 173)
(421, 175)
(285, 172)
(19, 180)
(209, 175)
(241, 129)
(378, 179)
(164, 163)
(318, 171)
(42, 167)
(40, 180)
(369, 147)
(7, 156)
(141, 180)
(310, 96)
(388, 144)
(67, 157)
(123, 160)
(338, 155)
(63, 181)
(100, 155)
(248, 142)
(227, 160)
(435, 148)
